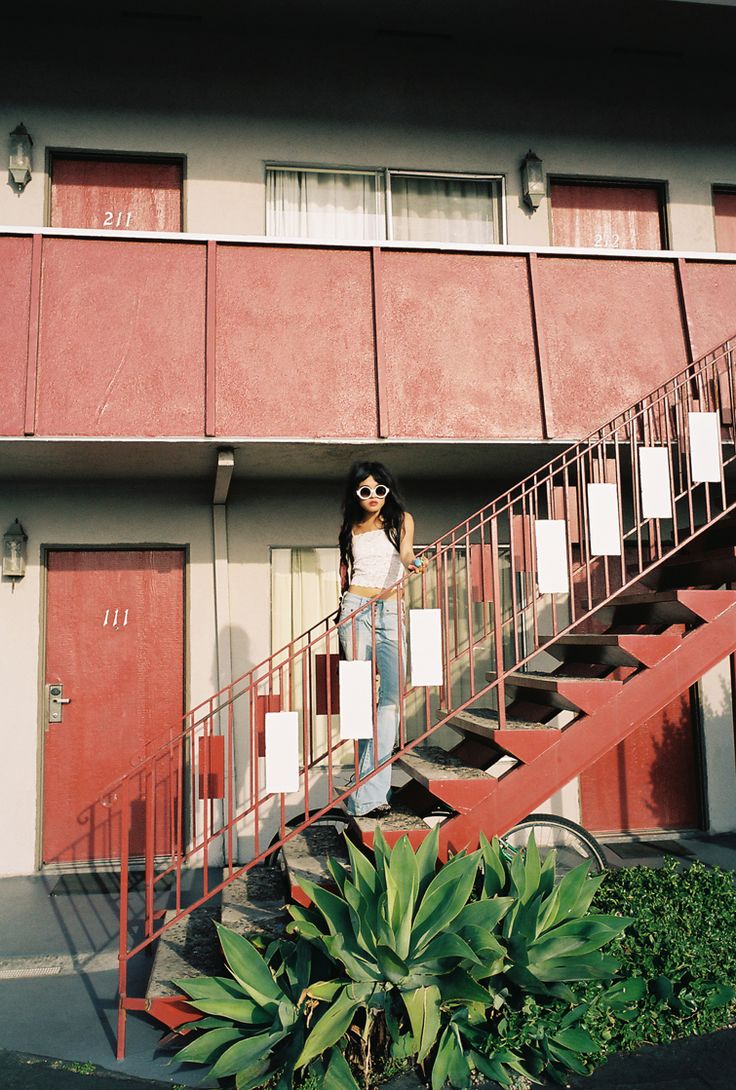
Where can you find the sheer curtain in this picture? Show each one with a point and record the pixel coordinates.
(444, 209)
(321, 204)
(304, 589)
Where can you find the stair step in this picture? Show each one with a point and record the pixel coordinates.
(399, 822)
(673, 606)
(615, 649)
(696, 568)
(306, 855)
(459, 785)
(255, 902)
(187, 949)
(483, 722)
(558, 691)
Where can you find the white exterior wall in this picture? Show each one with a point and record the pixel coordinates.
(83, 516)
(260, 515)
(367, 103)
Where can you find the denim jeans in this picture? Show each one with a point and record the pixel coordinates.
(379, 625)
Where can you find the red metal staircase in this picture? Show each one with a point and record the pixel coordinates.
(535, 686)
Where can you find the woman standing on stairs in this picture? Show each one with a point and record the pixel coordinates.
(376, 548)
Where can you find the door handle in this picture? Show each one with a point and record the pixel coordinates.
(55, 701)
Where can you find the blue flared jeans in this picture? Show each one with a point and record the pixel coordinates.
(379, 625)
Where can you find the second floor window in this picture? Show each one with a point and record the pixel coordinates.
(384, 204)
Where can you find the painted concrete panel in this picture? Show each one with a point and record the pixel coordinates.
(458, 346)
(612, 331)
(295, 351)
(15, 260)
(121, 342)
(711, 292)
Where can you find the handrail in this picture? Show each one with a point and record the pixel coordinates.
(480, 575)
(558, 463)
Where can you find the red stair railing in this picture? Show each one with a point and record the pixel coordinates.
(189, 804)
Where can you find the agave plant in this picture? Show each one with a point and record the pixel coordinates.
(433, 957)
(551, 938)
(256, 1023)
(400, 931)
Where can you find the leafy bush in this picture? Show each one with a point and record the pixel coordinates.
(682, 941)
(427, 964)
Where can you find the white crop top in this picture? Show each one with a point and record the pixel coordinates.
(376, 561)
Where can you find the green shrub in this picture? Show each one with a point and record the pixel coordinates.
(682, 941)
(431, 966)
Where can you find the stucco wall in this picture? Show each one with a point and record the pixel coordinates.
(260, 515)
(85, 516)
(230, 105)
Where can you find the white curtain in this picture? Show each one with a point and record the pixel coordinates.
(324, 205)
(444, 210)
(304, 589)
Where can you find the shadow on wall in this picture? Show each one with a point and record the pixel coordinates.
(240, 655)
(673, 800)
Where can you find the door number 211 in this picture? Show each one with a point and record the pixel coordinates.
(122, 219)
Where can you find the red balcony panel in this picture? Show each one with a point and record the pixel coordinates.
(15, 259)
(458, 346)
(122, 335)
(295, 345)
(613, 331)
(711, 297)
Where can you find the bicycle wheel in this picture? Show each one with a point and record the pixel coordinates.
(573, 844)
(335, 819)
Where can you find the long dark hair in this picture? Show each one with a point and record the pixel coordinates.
(392, 511)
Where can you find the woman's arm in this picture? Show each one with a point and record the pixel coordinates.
(406, 552)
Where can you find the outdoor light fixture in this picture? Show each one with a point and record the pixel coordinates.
(532, 180)
(20, 156)
(14, 551)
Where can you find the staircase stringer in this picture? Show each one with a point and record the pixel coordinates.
(590, 737)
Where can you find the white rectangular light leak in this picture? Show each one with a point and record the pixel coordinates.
(705, 447)
(425, 642)
(282, 752)
(551, 541)
(356, 699)
(604, 526)
(654, 480)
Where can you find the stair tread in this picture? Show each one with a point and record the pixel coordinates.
(435, 763)
(306, 854)
(654, 597)
(487, 718)
(397, 820)
(539, 680)
(187, 949)
(255, 902)
(601, 639)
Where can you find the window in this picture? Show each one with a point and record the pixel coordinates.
(408, 206)
(305, 587)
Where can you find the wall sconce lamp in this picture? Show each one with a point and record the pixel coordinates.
(532, 180)
(20, 156)
(14, 551)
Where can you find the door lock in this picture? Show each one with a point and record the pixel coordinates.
(55, 701)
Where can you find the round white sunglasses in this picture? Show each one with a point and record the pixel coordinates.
(365, 492)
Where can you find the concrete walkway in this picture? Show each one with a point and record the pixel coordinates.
(58, 991)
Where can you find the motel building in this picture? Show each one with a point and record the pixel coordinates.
(241, 248)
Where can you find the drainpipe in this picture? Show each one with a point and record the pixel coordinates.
(220, 556)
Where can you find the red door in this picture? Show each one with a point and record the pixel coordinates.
(651, 780)
(115, 642)
(117, 194)
(623, 217)
(724, 207)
